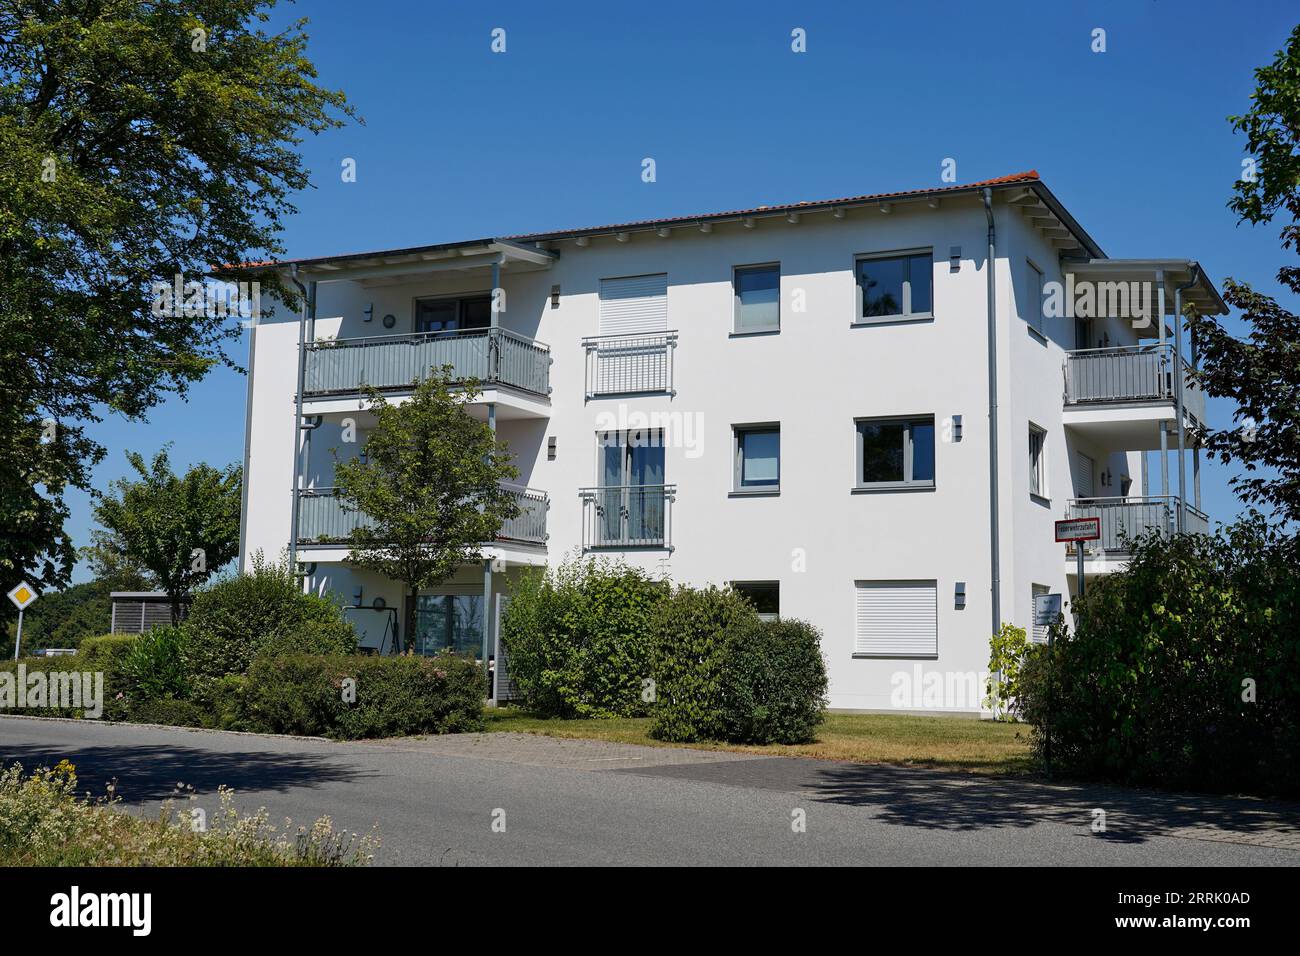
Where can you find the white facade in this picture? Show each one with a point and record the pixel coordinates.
(837, 550)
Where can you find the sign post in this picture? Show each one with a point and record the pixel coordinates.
(1079, 530)
(22, 596)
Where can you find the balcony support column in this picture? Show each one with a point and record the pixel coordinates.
(1164, 459)
(1196, 476)
(488, 642)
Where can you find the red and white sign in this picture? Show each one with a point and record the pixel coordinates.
(1078, 529)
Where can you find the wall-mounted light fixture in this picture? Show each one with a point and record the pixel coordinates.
(956, 428)
(555, 297)
(550, 448)
(959, 595)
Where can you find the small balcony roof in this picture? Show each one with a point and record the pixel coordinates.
(1177, 272)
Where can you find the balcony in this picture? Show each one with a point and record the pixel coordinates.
(1122, 394)
(322, 520)
(630, 364)
(395, 362)
(627, 517)
(1123, 519)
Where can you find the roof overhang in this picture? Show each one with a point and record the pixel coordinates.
(396, 265)
(1187, 274)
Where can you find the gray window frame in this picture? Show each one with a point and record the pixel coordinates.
(1036, 320)
(908, 483)
(736, 331)
(907, 315)
(1038, 463)
(737, 458)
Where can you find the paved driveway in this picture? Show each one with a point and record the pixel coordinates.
(434, 801)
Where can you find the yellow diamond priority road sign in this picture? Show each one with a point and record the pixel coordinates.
(22, 595)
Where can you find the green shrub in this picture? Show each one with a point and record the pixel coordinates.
(230, 620)
(394, 696)
(1006, 658)
(1183, 669)
(96, 654)
(171, 712)
(153, 666)
(578, 639)
(317, 637)
(690, 632)
(773, 682)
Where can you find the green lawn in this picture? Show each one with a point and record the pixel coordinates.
(950, 743)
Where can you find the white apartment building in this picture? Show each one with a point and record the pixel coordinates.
(866, 412)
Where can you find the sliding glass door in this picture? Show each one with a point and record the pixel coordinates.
(631, 495)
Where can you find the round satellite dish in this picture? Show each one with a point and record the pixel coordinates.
(390, 321)
(379, 604)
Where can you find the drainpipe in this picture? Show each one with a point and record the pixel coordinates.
(308, 293)
(991, 282)
(1178, 400)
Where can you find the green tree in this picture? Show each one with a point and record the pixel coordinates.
(182, 529)
(1261, 372)
(429, 487)
(138, 142)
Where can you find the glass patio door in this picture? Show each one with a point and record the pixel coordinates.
(452, 621)
(631, 495)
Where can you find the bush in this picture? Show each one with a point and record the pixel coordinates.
(153, 666)
(578, 639)
(97, 654)
(773, 683)
(320, 637)
(44, 823)
(229, 621)
(690, 634)
(1183, 669)
(1006, 658)
(394, 696)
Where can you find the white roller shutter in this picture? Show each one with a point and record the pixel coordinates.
(1083, 470)
(1038, 632)
(897, 618)
(637, 305)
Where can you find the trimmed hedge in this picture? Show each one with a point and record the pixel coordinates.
(690, 634)
(106, 654)
(1183, 669)
(578, 639)
(394, 696)
(773, 683)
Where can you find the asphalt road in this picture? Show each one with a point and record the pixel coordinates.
(434, 802)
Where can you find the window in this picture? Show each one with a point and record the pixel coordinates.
(1032, 311)
(1038, 633)
(897, 619)
(758, 299)
(764, 595)
(449, 621)
(758, 458)
(895, 453)
(632, 351)
(450, 315)
(1037, 461)
(631, 495)
(896, 286)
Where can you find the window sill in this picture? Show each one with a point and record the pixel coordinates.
(894, 319)
(891, 486)
(751, 333)
(895, 657)
(1040, 500)
(754, 493)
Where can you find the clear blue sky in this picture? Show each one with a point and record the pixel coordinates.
(461, 143)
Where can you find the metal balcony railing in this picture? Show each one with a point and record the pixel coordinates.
(630, 364)
(1123, 519)
(322, 518)
(627, 516)
(387, 362)
(1130, 373)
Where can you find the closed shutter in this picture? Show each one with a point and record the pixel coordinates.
(634, 306)
(1083, 469)
(1038, 634)
(897, 618)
